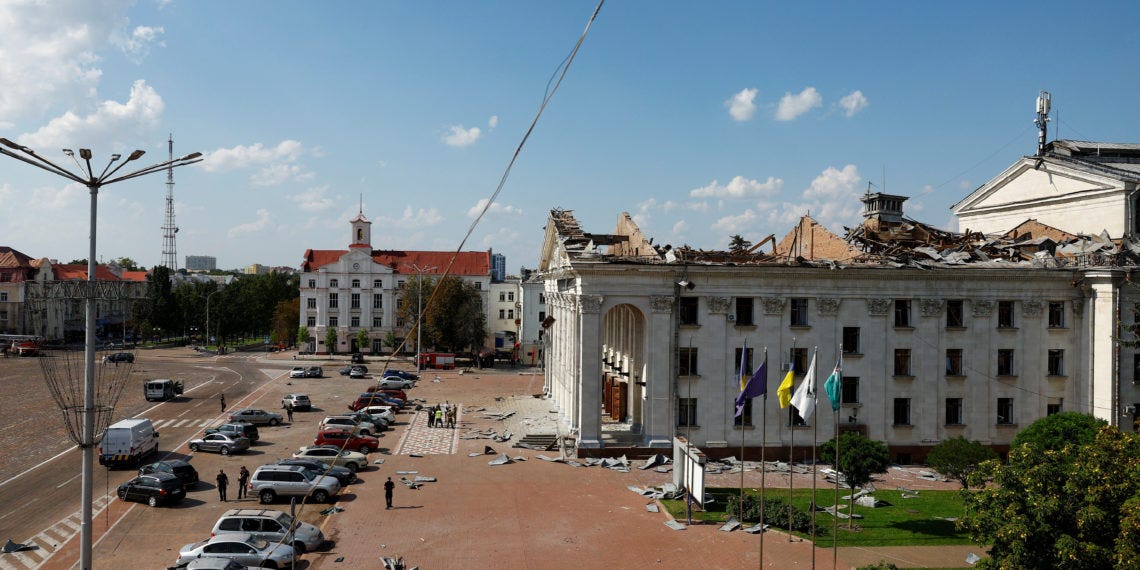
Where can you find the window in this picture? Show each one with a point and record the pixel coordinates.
(902, 313)
(1136, 368)
(542, 298)
(745, 417)
(747, 364)
(850, 340)
(510, 313)
(478, 285)
(1005, 362)
(377, 301)
(3, 315)
(1005, 411)
(1056, 362)
(312, 284)
(686, 412)
(377, 284)
(1005, 315)
(902, 412)
(850, 390)
(334, 283)
(502, 313)
(687, 364)
(400, 321)
(799, 313)
(954, 411)
(333, 321)
(688, 310)
(334, 300)
(377, 346)
(377, 322)
(400, 284)
(502, 296)
(354, 301)
(954, 314)
(1055, 408)
(355, 283)
(510, 295)
(542, 316)
(3, 295)
(354, 322)
(953, 362)
(799, 359)
(311, 302)
(1056, 314)
(744, 311)
(902, 362)
(311, 322)
(794, 417)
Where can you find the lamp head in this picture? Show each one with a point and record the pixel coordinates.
(192, 156)
(69, 152)
(136, 155)
(85, 153)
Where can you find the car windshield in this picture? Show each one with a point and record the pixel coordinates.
(284, 519)
(260, 544)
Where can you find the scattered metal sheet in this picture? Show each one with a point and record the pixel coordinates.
(501, 460)
(654, 462)
(574, 464)
(12, 546)
(378, 461)
(663, 469)
(409, 484)
(756, 529)
(636, 489)
(731, 525)
(415, 455)
(406, 472)
(519, 458)
(332, 509)
(425, 479)
(972, 558)
(652, 507)
(488, 450)
(551, 459)
(474, 454)
(675, 525)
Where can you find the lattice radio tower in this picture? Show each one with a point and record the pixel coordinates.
(169, 250)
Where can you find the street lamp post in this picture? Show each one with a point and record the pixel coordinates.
(420, 309)
(208, 315)
(87, 177)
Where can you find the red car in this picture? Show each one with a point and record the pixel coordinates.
(394, 392)
(345, 439)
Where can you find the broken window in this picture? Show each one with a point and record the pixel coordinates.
(1056, 362)
(334, 283)
(1005, 315)
(686, 412)
(799, 313)
(954, 412)
(953, 362)
(954, 314)
(377, 322)
(1056, 314)
(902, 362)
(744, 311)
(311, 303)
(850, 390)
(850, 340)
(688, 310)
(902, 412)
(902, 313)
(1005, 362)
(312, 284)
(310, 322)
(687, 361)
(1005, 411)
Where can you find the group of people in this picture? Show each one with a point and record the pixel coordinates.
(224, 481)
(442, 415)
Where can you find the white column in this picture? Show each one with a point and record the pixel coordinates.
(660, 424)
(1102, 313)
(589, 355)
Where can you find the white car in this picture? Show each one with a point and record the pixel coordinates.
(297, 372)
(240, 547)
(385, 413)
(348, 423)
(333, 456)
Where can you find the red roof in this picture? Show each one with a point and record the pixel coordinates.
(78, 272)
(137, 276)
(432, 262)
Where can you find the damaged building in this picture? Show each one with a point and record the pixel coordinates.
(1027, 311)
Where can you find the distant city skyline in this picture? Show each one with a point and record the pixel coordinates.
(702, 121)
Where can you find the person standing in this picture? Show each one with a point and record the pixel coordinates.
(223, 482)
(431, 416)
(439, 417)
(388, 487)
(222, 401)
(243, 480)
(289, 411)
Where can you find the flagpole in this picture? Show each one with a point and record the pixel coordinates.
(835, 407)
(763, 446)
(791, 445)
(814, 441)
(743, 358)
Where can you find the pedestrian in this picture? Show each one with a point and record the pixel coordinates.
(439, 417)
(388, 486)
(243, 480)
(431, 416)
(222, 400)
(289, 411)
(223, 482)
(451, 417)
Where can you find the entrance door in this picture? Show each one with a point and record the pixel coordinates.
(619, 393)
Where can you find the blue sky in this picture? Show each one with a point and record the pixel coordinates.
(702, 119)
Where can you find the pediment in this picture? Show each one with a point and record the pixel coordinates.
(1034, 182)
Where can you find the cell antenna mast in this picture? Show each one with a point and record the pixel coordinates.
(1044, 102)
(169, 251)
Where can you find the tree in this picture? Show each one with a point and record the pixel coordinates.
(286, 315)
(1058, 430)
(391, 339)
(859, 458)
(737, 244)
(303, 337)
(957, 457)
(453, 318)
(361, 340)
(1074, 507)
(127, 264)
(330, 340)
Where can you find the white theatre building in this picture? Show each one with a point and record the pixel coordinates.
(941, 334)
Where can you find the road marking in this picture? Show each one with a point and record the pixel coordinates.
(181, 423)
(61, 485)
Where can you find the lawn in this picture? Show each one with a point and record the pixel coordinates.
(917, 521)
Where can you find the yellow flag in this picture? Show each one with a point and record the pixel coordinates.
(784, 392)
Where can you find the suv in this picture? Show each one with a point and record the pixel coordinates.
(271, 481)
(347, 422)
(344, 475)
(153, 489)
(237, 428)
(177, 467)
(270, 525)
(119, 357)
(300, 402)
(297, 372)
(314, 372)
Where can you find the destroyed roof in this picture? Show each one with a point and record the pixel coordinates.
(1123, 159)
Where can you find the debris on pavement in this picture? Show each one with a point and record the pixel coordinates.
(501, 460)
(12, 546)
(675, 525)
(731, 525)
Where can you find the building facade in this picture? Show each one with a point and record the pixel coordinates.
(16, 269)
(201, 263)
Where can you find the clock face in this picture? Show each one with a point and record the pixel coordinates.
(356, 266)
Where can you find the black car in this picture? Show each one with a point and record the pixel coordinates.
(119, 357)
(343, 475)
(177, 467)
(153, 489)
(403, 374)
(237, 428)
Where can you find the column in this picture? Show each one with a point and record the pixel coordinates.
(660, 376)
(589, 356)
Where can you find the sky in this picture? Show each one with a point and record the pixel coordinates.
(703, 120)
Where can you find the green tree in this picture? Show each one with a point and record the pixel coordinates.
(957, 457)
(737, 244)
(303, 337)
(859, 458)
(286, 315)
(330, 340)
(453, 318)
(1075, 507)
(1058, 430)
(127, 264)
(391, 340)
(361, 339)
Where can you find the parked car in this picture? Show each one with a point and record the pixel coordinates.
(359, 368)
(270, 525)
(397, 393)
(334, 455)
(345, 439)
(358, 358)
(177, 467)
(255, 417)
(271, 481)
(347, 422)
(380, 424)
(240, 547)
(404, 374)
(119, 357)
(314, 372)
(223, 443)
(245, 429)
(343, 475)
(153, 489)
(375, 399)
(386, 413)
(396, 382)
(300, 402)
(297, 372)
(212, 563)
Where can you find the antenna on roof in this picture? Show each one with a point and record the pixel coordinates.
(362, 203)
(1044, 102)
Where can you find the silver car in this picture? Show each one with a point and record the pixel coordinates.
(223, 443)
(270, 525)
(256, 417)
(240, 547)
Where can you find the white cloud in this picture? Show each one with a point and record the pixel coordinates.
(225, 159)
(832, 199)
(926, 190)
(110, 122)
(137, 45)
(502, 235)
(493, 122)
(495, 208)
(853, 103)
(739, 187)
(280, 173)
(415, 218)
(679, 230)
(698, 206)
(737, 224)
(255, 226)
(314, 199)
(459, 137)
(792, 106)
(742, 106)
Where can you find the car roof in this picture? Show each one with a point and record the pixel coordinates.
(161, 476)
(276, 466)
(232, 537)
(253, 513)
(173, 462)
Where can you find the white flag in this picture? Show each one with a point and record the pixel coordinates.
(804, 398)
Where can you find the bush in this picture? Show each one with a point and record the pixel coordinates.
(880, 565)
(775, 513)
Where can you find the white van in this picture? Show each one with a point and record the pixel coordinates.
(127, 442)
(162, 389)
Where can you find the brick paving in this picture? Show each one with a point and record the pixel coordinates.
(423, 440)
